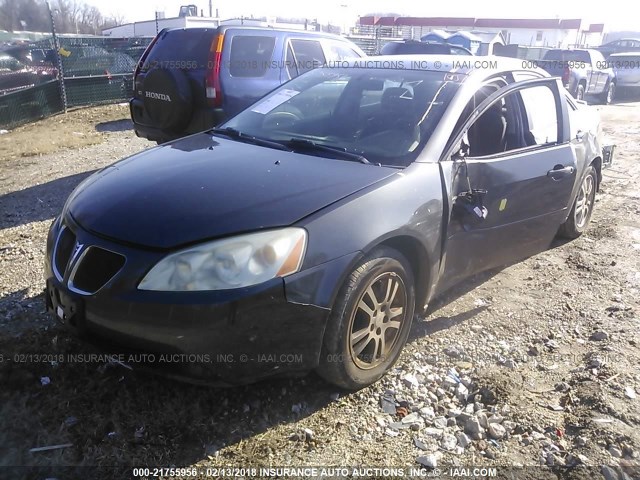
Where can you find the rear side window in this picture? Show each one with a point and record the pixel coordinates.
(308, 54)
(250, 55)
(542, 116)
(181, 49)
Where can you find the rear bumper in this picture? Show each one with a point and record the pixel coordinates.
(202, 119)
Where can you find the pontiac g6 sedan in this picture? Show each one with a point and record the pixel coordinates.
(305, 233)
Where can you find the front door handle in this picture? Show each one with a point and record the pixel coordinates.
(560, 171)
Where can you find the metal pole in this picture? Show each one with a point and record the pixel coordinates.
(56, 46)
(156, 23)
(210, 8)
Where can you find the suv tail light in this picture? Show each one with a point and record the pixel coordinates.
(566, 73)
(212, 81)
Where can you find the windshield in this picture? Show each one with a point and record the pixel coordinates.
(383, 115)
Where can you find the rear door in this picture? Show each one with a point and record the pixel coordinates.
(520, 156)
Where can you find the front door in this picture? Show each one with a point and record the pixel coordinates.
(520, 164)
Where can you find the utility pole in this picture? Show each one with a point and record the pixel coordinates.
(56, 46)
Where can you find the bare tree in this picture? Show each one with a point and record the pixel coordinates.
(71, 16)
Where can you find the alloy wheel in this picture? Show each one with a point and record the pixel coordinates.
(377, 320)
(584, 203)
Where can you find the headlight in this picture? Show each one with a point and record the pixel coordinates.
(230, 263)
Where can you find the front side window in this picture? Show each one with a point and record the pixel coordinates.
(339, 51)
(308, 54)
(384, 115)
(521, 119)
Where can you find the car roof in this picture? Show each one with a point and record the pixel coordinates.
(460, 64)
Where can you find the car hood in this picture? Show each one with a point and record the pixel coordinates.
(202, 187)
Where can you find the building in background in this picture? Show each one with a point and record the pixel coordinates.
(540, 32)
(150, 28)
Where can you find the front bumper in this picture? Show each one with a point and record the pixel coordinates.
(225, 337)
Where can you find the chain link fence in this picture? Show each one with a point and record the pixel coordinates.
(37, 80)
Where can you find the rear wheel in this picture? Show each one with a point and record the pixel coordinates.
(580, 215)
(370, 321)
(609, 94)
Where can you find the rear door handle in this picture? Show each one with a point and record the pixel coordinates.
(560, 171)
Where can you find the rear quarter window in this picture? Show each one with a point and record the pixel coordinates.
(250, 55)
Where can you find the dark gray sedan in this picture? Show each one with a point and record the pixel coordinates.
(307, 231)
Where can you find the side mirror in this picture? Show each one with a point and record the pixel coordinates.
(462, 151)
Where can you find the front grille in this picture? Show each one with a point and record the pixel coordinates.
(94, 269)
(64, 247)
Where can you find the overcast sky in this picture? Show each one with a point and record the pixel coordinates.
(615, 14)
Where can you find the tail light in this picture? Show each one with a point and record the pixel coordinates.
(212, 81)
(566, 73)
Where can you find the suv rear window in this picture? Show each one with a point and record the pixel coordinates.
(175, 48)
(250, 55)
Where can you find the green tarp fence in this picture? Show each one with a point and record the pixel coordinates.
(97, 71)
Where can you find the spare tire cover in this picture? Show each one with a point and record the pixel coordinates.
(167, 98)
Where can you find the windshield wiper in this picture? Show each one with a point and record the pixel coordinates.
(244, 137)
(302, 144)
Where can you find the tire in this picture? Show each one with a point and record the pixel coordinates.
(360, 343)
(609, 93)
(579, 219)
(580, 92)
(167, 98)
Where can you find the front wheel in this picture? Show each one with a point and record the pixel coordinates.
(370, 321)
(580, 214)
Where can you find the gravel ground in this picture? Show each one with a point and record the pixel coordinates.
(533, 364)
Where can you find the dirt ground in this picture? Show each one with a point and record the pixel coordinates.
(550, 346)
(76, 129)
